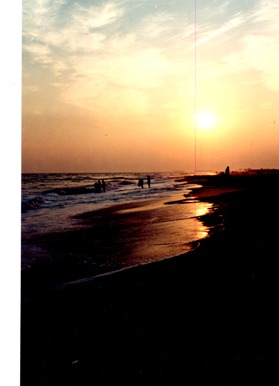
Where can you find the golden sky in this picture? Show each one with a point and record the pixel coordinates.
(116, 85)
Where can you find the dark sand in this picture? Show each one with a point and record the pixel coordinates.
(207, 317)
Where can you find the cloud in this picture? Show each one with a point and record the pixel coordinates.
(92, 17)
(246, 41)
(262, 41)
(96, 53)
(262, 54)
(75, 30)
(94, 65)
(39, 14)
(209, 33)
(158, 25)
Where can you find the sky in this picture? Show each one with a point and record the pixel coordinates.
(129, 85)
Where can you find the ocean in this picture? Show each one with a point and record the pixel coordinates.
(68, 232)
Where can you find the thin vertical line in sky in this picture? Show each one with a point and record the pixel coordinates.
(195, 75)
(195, 112)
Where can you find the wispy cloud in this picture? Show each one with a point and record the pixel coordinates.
(93, 54)
(262, 41)
(88, 18)
(98, 61)
(247, 41)
(209, 32)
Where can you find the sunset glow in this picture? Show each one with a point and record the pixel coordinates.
(206, 120)
(113, 85)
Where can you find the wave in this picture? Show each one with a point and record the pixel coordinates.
(33, 203)
(48, 201)
(73, 190)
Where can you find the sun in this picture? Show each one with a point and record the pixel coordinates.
(206, 120)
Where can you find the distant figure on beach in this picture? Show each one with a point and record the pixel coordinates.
(97, 186)
(148, 181)
(227, 171)
(103, 185)
(140, 183)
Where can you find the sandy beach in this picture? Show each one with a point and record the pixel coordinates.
(204, 317)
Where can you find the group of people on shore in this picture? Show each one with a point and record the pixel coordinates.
(141, 182)
(100, 186)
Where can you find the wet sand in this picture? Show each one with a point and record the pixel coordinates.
(106, 240)
(207, 317)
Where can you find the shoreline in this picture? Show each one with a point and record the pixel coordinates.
(107, 240)
(204, 316)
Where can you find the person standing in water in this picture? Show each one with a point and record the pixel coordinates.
(103, 185)
(148, 181)
(140, 183)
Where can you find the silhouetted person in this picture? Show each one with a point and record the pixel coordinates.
(97, 186)
(103, 185)
(140, 183)
(227, 171)
(148, 181)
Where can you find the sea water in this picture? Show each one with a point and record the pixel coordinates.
(51, 203)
